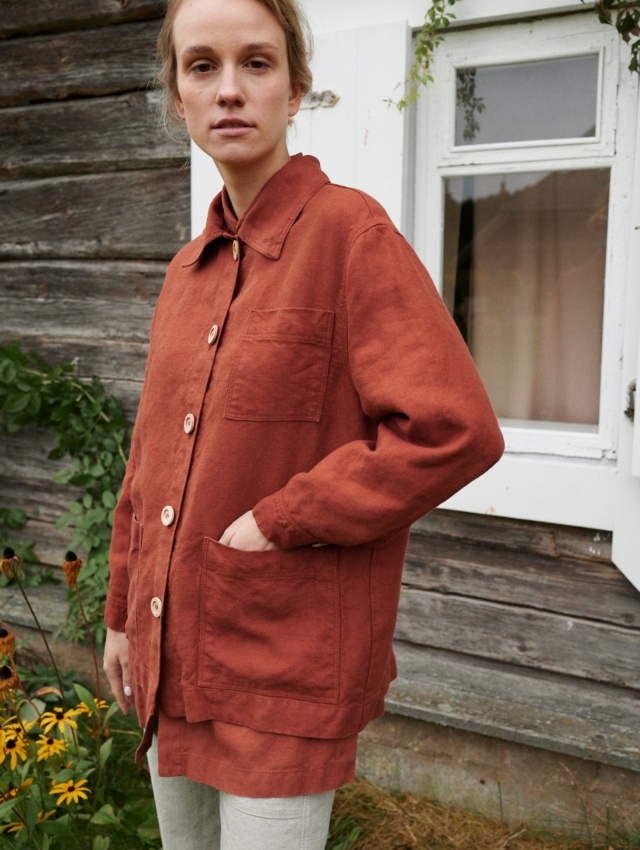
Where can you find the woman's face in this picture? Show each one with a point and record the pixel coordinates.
(234, 91)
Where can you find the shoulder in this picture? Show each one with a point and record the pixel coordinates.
(351, 209)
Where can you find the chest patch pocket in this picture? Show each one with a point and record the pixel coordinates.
(281, 365)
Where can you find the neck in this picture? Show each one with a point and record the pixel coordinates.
(242, 187)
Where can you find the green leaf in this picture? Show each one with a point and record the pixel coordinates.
(8, 806)
(108, 499)
(85, 696)
(110, 712)
(8, 372)
(31, 711)
(15, 403)
(31, 813)
(59, 826)
(105, 751)
(105, 816)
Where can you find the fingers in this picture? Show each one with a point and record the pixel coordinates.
(116, 666)
(244, 533)
(227, 534)
(234, 530)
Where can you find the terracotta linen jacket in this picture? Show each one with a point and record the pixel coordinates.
(302, 366)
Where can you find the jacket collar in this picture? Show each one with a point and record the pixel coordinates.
(269, 218)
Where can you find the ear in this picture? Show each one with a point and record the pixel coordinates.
(295, 96)
(179, 107)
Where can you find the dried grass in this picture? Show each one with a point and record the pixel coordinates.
(367, 818)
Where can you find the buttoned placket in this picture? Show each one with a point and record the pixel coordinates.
(195, 392)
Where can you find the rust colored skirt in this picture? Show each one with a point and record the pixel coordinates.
(242, 761)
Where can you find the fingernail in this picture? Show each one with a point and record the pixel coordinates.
(127, 691)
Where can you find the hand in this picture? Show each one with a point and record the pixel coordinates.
(244, 533)
(116, 666)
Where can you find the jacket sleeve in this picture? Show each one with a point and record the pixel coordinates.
(436, 430)
(115, 615)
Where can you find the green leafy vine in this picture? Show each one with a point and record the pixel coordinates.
(437, 18)
(624, 15)
(88, 428)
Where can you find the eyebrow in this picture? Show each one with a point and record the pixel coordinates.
(249, 48)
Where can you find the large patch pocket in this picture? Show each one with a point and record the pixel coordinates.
(281, 366)
(269, 621)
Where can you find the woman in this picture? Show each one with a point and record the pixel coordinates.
(306, 398)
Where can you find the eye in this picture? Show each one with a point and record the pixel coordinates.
(201, 67)
(257, 64)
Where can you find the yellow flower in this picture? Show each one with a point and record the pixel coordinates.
(62, 719)
(13, 746)
(16, 826)
(70, 791)
(49, 746)
(83, 708)
(13, 792)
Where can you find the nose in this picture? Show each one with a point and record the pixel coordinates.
(230, 89)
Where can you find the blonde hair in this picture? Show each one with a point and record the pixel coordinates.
(299, 48)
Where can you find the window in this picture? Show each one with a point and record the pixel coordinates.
(520, 214)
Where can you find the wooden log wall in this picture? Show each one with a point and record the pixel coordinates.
(520, 631)
(569, 612)
(94, 202)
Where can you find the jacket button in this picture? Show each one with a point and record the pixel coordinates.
(235, 249)
(189, 423)
(168, 515)
(156, 606)
(213, 334)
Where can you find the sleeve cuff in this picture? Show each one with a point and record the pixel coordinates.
(115, 614)
(277, 525)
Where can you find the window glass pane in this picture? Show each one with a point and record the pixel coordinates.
(530, 101)
(524, 264)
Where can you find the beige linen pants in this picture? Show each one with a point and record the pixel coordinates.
(194, 816)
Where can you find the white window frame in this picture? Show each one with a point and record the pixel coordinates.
(577, 463)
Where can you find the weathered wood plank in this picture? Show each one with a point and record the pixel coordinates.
(50, 543)
(119, 361)
(40, 280)
(127, 393)
(25, 455)
(87, 135)
(521, 636)
(19, 17)
(81, 63)
(560, 714)
(25, 463)
(88, 318)
(121, 215)
(552, 540)
(49, 601)
(39, 498)
(574, 587)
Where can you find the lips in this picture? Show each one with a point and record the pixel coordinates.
(231, 124)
